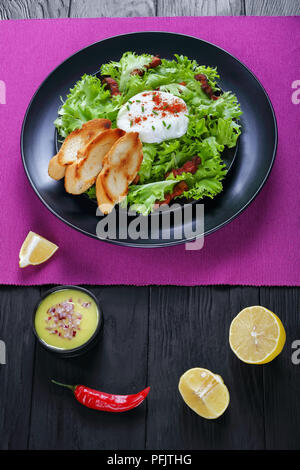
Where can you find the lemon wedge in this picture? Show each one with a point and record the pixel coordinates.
(35, 250)
(204, 392)
(256, 335)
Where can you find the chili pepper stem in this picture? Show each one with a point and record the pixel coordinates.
(70, 387)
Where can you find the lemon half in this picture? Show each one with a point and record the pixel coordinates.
(204, 392)
(35, 250)
(256, 335)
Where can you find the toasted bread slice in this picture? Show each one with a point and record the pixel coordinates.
(55, 169)
(120, 167)
(82, 174)
(79, 138)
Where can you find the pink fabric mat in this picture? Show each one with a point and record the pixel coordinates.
(260, 247)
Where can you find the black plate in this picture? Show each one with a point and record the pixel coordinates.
(254, 157)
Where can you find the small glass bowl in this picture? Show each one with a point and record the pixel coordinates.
(83, 348)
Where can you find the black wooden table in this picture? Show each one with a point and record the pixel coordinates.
(151, 335)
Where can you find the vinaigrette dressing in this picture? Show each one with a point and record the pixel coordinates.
(66, 319)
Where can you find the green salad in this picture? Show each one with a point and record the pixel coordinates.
(213, 124)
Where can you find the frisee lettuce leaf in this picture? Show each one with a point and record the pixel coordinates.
(142, 197)
(122, 70)
(87, 100)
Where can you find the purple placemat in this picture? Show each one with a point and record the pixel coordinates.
(260, 247)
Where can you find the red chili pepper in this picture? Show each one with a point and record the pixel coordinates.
(105, 401)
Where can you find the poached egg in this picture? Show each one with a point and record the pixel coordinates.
(155, 115)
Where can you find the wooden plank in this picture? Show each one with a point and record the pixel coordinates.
(96, 8)
(117, 364)
(199, 7)
(281, 376)
(188, 327)
(23, 9)
(16, 306)
(272, 7)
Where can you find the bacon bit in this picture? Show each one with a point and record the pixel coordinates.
(189, 167)
(200, 77)
(156, 61)
(182, 83)
(112, 85)
(137, 72)
(177, 191)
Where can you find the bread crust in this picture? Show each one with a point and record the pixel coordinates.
(73, 143)
(55, 170)
(82, 174)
